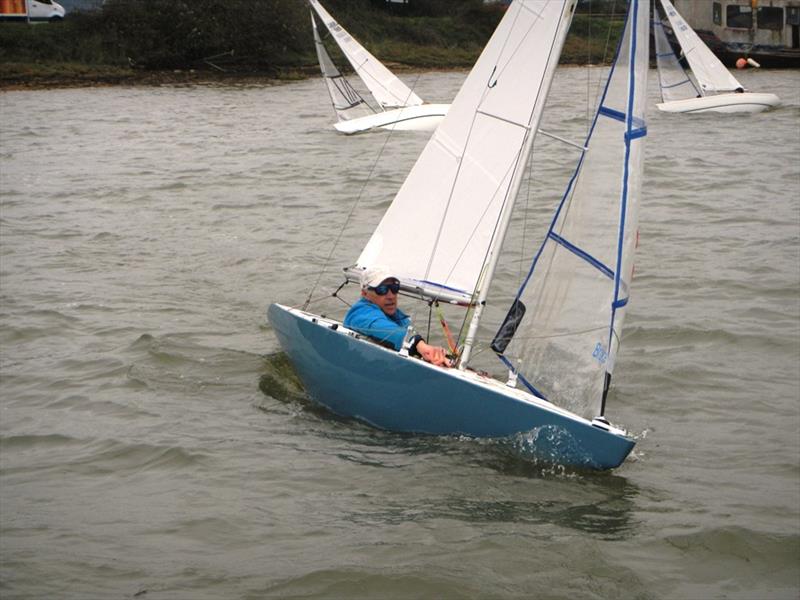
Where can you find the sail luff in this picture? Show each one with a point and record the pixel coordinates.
(629, 137)
(711, 74)
(384, 85)
(493, 252)
(635, 132)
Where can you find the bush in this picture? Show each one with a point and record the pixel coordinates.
(269, 36)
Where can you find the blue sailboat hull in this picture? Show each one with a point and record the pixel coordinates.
(356, 378)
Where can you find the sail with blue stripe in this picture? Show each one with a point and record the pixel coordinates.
(673, 80)
(577, 289)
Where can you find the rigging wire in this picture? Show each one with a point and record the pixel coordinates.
(352, 211)
(346, 221)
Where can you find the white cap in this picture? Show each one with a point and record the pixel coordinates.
(375, 275)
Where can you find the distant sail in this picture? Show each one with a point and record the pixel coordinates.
(384, 85)
(347, 102)
(674, 81)
(711, 74)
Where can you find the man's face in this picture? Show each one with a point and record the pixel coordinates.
(387, 302)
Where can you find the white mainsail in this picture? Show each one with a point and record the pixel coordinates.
(438, 231)
(711, 74)
(384, 85)
(347, 102)
(674, 81)
(577, 289)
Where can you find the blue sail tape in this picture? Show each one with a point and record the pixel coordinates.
(636, 133)
(581, 254)
(521, 377)
(620, 116)
(614, 114)
(443, 286)
(620, 303)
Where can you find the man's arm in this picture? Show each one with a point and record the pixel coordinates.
(432, 354)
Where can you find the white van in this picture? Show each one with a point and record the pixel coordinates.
(31, 10)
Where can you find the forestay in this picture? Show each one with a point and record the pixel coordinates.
(347, 102)
(438, 230)
(578, 285)
(711, 74)
(387, 89)
(674, 81)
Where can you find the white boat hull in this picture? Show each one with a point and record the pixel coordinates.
(424, 117)
(747, 102)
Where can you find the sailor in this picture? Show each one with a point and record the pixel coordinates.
(377, 316)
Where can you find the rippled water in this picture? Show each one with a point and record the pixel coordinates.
(153, 442)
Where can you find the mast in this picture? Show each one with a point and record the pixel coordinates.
(493, 253)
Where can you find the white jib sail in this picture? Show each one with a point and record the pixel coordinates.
(673, 80)
(347, 102)
(384, 85)
(579, 281)
(439, 228)
(711, 74)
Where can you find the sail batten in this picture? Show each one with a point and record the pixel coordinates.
(524, 126)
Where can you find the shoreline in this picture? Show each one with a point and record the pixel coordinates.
(37, 77)
(22, 77)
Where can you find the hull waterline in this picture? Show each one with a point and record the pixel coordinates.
(425, 117)
(748, 102)
(356, 378)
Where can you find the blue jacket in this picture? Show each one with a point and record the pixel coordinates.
(367, 318)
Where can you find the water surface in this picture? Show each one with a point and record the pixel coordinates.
(152, 441)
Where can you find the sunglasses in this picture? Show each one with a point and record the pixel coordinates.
(385, 288)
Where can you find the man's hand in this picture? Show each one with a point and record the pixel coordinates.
(433, 354)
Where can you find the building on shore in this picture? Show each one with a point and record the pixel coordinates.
(768, 31)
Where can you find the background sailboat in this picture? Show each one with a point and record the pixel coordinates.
(717, 90)
(442, 237)
(347, 102)
(398, 106)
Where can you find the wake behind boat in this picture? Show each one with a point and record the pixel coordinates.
(561, 335)
(399, 107)
(716, 90)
